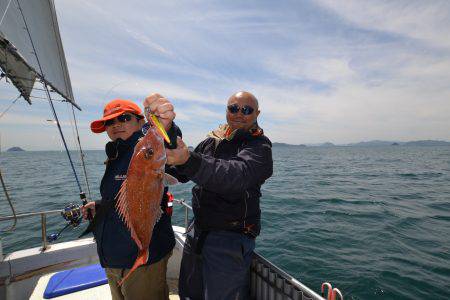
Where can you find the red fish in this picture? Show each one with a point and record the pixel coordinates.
(138, 201)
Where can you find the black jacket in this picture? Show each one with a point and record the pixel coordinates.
(115, 247)
(228, 176)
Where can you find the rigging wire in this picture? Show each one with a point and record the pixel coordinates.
(13, 226)
(4, 14)
(50, 100)
(83, 164)
(15, 100)
(42, 98)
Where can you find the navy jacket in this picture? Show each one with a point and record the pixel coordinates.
(228, 176)
(115, 247)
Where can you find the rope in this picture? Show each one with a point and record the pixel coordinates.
(13, 226)
(4, 112)
(50, 100)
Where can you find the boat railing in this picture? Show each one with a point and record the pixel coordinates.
(187, 208)
(43, 214)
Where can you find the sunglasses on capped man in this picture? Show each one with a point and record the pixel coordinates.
(245, 110)
(122, 119)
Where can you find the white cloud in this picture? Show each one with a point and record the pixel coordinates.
(428, 21)
(321, 69)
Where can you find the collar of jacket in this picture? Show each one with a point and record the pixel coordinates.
(114, 148)
(223, 133)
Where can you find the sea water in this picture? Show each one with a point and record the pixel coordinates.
(373, 221)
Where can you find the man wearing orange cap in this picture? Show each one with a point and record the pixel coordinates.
(123, 120)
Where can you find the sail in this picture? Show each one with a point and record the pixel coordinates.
(31, 46)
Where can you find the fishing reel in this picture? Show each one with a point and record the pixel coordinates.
(72, 214)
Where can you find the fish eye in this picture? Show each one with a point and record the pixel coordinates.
(148, 153)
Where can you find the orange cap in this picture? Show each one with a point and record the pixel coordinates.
(113, 109)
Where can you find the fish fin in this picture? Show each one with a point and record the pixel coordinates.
(122, 210)
(169, 180)
(122, 204)
(141, 259)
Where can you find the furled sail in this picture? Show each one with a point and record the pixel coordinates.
(31, 47)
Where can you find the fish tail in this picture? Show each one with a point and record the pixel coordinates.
(142, 259)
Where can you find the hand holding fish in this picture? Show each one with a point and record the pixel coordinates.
(178, 156)
(161, 107)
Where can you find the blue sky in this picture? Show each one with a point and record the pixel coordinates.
(333, 71)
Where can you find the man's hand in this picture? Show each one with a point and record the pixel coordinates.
(178, 156)
(84, 209)
(160, 107)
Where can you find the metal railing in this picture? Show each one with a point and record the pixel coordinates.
(187, 207)
(43, 214)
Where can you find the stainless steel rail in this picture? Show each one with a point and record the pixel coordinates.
(269, 282)
(187, 207)
(44, 214)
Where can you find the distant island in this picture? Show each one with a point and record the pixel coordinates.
(373, 143)
(14, 149)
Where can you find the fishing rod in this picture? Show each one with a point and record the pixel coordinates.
(44, 81)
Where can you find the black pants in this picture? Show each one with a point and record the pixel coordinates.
(220, 270)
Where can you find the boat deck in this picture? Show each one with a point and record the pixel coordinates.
(96, 293)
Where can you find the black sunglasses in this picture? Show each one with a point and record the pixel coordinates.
(245, 110)
(122, 119)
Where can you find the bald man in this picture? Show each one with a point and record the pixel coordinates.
(228, 169)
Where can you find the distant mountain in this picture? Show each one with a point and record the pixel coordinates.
(427, 143)
(374, 143)
(327, 144)
(14, 149)
(286, 145)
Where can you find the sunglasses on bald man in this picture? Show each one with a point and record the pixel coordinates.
(245, 110)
